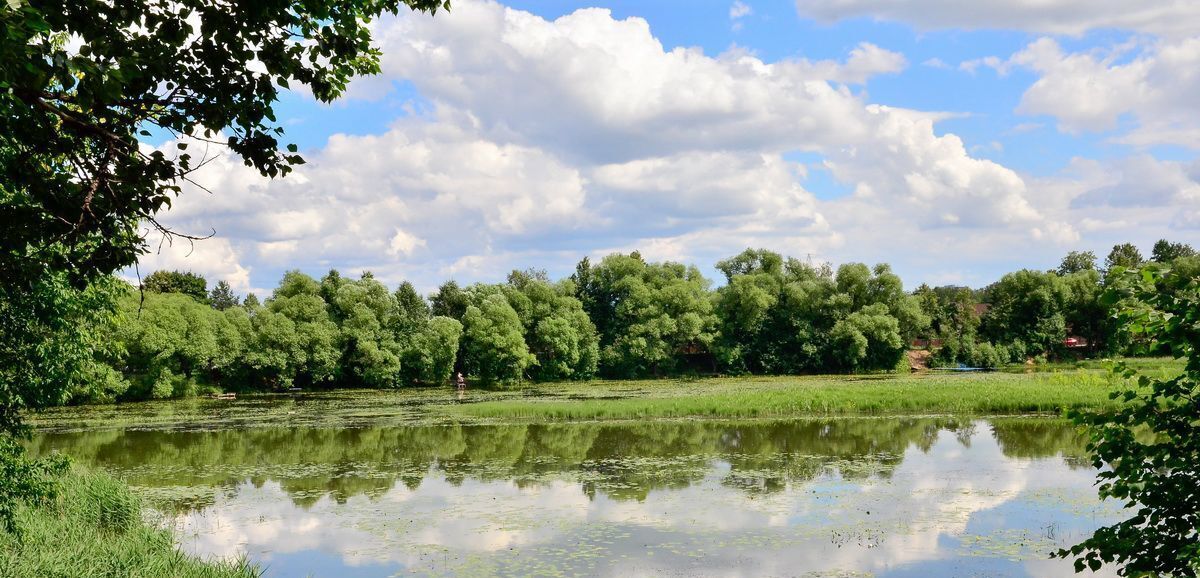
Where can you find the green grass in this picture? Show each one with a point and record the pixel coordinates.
(1020, 389)
(982, 393)
(95, 528)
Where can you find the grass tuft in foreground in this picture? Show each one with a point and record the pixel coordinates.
(94, 528)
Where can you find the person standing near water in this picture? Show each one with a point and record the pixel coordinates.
(462, 383)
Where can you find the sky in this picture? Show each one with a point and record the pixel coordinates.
(957, 141)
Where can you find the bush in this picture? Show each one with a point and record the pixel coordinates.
(987, 356)
(164, 386)
(24, 480)
(1017, 352)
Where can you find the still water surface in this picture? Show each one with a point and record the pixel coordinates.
(887, 497)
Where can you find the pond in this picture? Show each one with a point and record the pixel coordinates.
(887, 497)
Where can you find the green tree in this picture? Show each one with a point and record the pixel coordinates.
(49, 337)
(186, 283)
(951, 310)
(1148, 449)
(276, 352)
(312, 349)
(1076, 261)
(222, 297)
(1029, 307)
(867, 339)
(172, 344)
(370, 350)
(412, 312)
(235, 333)
(786, 316)
(650, 316)
(1125, 255)
(494, 341)
(75, 175)
(557, 329)
(450, 301)
(431, 344)
(1086, 314)
(430, 352)
(1167, 252)
(330, 284)
(885, 288)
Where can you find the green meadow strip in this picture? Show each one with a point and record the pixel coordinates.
(992, 393)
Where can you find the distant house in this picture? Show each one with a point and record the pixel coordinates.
(926, 344)
(1075, 342)
(981, 309)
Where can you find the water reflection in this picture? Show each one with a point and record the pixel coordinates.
(890, 497)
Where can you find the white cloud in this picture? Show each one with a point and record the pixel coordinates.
(215, 259)
(1073, 17)
(612, 88)
(1142, 181)
(375, 202)
(606, 89)
(970, 66)
(1095, 90)
(931, 178)
(739, 9)
(404, 244)
(548, 140)
(868, 60)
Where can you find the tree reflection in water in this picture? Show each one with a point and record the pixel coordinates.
(623, 460)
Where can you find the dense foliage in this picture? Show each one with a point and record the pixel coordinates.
(622, 317)
(175, 345)
(1150, 445)
(51, 335)
(81, 81)
(785, 316)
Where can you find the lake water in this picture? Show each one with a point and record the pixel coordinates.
(846, 497)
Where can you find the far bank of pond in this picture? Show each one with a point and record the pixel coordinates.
(505, 483)
(1014, 392)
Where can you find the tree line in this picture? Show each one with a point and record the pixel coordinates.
(621, 317)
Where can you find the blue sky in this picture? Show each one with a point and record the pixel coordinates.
(957, 144)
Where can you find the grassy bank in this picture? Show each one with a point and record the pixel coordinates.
(1042, 390)
(95, 528)
(984, 393)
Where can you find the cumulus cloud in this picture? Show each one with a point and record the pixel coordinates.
(546, 140)
(608, 91)
(1094, 90)
(620, 96)
(372, 202)
(931, 176)
(1142, 181)
(1073, 17)
(1086, 91)
(215, 259)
